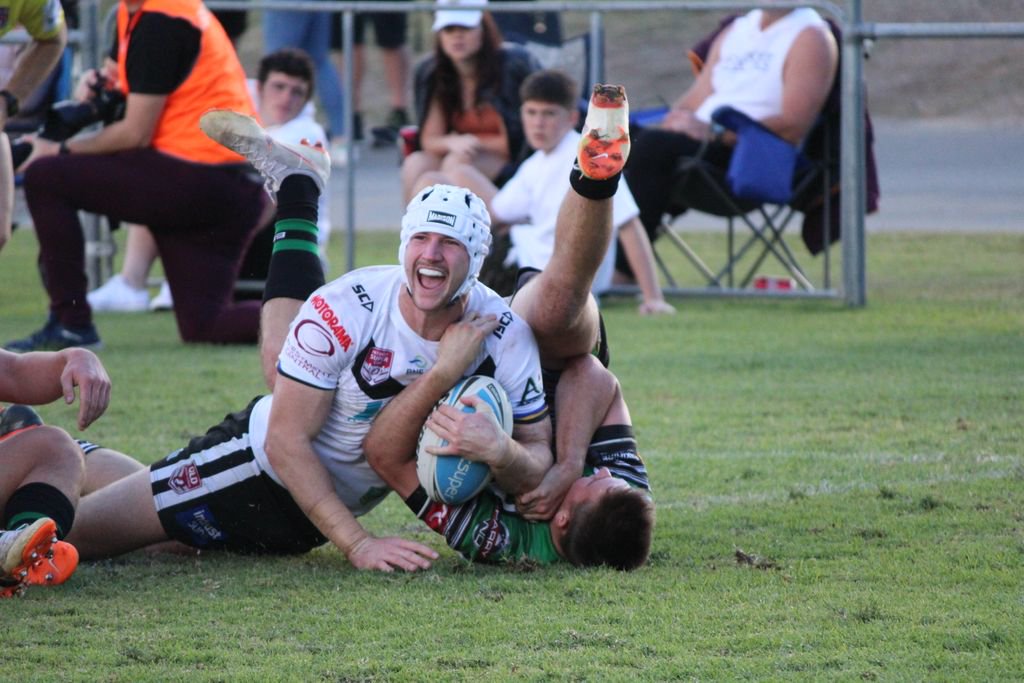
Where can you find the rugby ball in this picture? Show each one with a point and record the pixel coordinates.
(453, 479)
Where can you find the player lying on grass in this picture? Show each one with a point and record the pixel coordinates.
(193, 505)
(287, 473)
(595, 519)
(41, 470)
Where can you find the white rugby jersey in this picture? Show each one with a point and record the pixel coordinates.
(350, 337)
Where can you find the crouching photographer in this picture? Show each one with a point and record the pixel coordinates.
(172, 62)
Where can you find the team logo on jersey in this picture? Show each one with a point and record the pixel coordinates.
(332, 321)
(436, 516)
(377, 365)
(490, 536)
(186, 478)
(313, 338)
(441, 217)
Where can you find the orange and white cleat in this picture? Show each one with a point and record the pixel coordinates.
(604, 146)
(32, 556)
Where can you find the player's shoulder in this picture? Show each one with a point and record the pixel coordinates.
(358, 294)
(41, 18)
(511, 327)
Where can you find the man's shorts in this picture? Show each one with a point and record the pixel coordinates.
(214, 495)
(388, 27)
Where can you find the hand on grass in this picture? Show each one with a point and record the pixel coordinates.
(390, 553)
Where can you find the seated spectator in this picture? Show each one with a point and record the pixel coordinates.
(529, 202)
(282, 92)
(173, 61)
(775, 65)
(467, 100)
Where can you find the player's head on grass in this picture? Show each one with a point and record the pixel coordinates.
(604, 521)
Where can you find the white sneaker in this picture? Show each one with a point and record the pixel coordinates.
(162, 301)
(339, 154)
(274, 160)
(118, 296)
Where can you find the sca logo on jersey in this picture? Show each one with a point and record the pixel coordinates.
(312, 338)
(332, 321)
(364, 299)
(377, 365)
(441, 217)
(186, 478)
(503, 322)
(490, 536)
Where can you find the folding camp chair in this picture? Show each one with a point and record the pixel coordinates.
(767, 181)
(767, 185)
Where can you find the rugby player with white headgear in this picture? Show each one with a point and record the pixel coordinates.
(288, 472)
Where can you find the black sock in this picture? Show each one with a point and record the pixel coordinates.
(36, 500)
(295, 268)
(593, 189)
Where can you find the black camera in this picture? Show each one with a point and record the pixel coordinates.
(64, 119)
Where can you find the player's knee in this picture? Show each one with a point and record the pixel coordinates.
(48, 447)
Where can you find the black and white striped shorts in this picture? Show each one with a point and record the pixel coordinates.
(213, 494)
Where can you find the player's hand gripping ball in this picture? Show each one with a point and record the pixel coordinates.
(453, 479)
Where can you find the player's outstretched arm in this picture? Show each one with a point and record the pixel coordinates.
(296, 417)
(36, 378)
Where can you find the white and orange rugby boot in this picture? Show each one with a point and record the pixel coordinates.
(31, 555)
(604, 146)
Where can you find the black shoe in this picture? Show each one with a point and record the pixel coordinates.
(16, 417)
(387, 135)
(397, 118)
(54, 337)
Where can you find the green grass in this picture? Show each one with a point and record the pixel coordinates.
(868, 463)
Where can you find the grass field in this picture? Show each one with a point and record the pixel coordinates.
(840, 496)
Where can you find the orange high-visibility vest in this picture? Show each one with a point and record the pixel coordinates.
(217, 81)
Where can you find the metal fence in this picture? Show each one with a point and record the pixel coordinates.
(88, 40)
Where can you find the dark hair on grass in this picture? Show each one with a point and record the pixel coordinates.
(291, 61)
(550, 86)
(615, 531)
(447, 85)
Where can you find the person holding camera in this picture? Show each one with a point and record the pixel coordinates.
(172, 61)
(44, 22)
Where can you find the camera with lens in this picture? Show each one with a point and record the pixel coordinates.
(66, 118)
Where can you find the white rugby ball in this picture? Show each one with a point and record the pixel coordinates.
(453, 479)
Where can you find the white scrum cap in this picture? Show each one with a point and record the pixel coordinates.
(454, 212)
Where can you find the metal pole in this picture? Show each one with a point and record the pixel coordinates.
(595, 66)
(348, 33)
(852, 202)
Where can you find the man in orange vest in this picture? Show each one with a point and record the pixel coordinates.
(173, 61)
